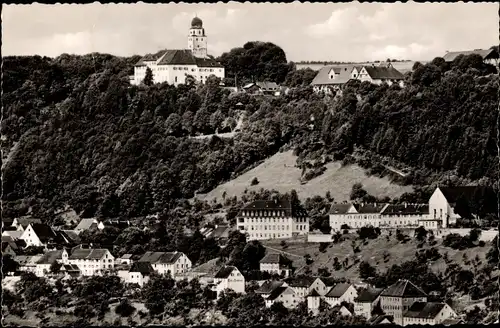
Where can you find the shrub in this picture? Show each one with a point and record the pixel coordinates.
(323, 247)
(254, 182)
(481, 243)
(283, 244)
(125, 309)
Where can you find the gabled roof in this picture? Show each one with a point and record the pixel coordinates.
(278, 291)
(408, 209)
(275, 259)
(328, 281)
(142, 267)
(369, 208)
(428, 310)
(314, 293)
(161, 257)
(69, 236)
(339, 208)
(377, 319)
(452, 194)
(25, 222)
(276, 205)
(268, 286)
(86, 224)
(403, 288)
(14, 234)
(219, 232)
(302, 282)
(44, 232)
(50, 257)
(383, 72)
(452, 321)
(82, 253)
(70, 268)
(368, 295)
(338, 290)
(178, 57)
(225, 272)
(485, 53)
(342, 75)
(28, 259)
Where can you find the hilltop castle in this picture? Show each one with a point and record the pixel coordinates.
(174, 66)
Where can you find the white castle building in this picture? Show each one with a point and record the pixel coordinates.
(174, 66)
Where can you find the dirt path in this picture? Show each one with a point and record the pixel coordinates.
(277, 250)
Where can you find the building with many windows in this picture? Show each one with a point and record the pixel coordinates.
(399, 297)
(355, 215)
(272, 219)
(175, 66)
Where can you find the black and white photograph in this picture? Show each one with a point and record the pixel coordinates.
(250, 164)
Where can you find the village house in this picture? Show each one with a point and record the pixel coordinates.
(46, 261)
(11, 246)
(262, 88)
(313, 301)
(303, 285)
(88, 224)
(220, 232)
(428, 313)
(127, 259)
(175, 66)
(490, 56)
(263, 219)
(90, 261)
(355, 215)
(385, 73)
(69, 270)
(140, 273)
(403, 215)
(229, 277)
(366, 301)
(284, 294)
(40, 234)
(21, 224)
(268, 287)
(276, 264)
(173, 263)
(342, 292)
(399, 297)
(331, 79)
(27, 263)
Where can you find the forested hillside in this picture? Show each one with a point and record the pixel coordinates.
(76, 132)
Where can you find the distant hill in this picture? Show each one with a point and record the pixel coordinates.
(279, 172)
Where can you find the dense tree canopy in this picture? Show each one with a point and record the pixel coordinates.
(77, 133)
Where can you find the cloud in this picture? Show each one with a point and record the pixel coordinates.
(338, 23)
(305, 31)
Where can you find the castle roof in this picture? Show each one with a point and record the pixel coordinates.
(178, 57)
(197, 22)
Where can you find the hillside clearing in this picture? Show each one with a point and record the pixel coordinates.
(279, 172)
(373, 253)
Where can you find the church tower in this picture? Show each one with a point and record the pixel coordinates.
(197, 40)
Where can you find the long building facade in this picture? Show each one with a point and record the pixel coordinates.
(177, 66)
(264, 219)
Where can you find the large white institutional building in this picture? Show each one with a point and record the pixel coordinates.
(174, 66)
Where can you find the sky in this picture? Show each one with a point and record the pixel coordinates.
(310, 31)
